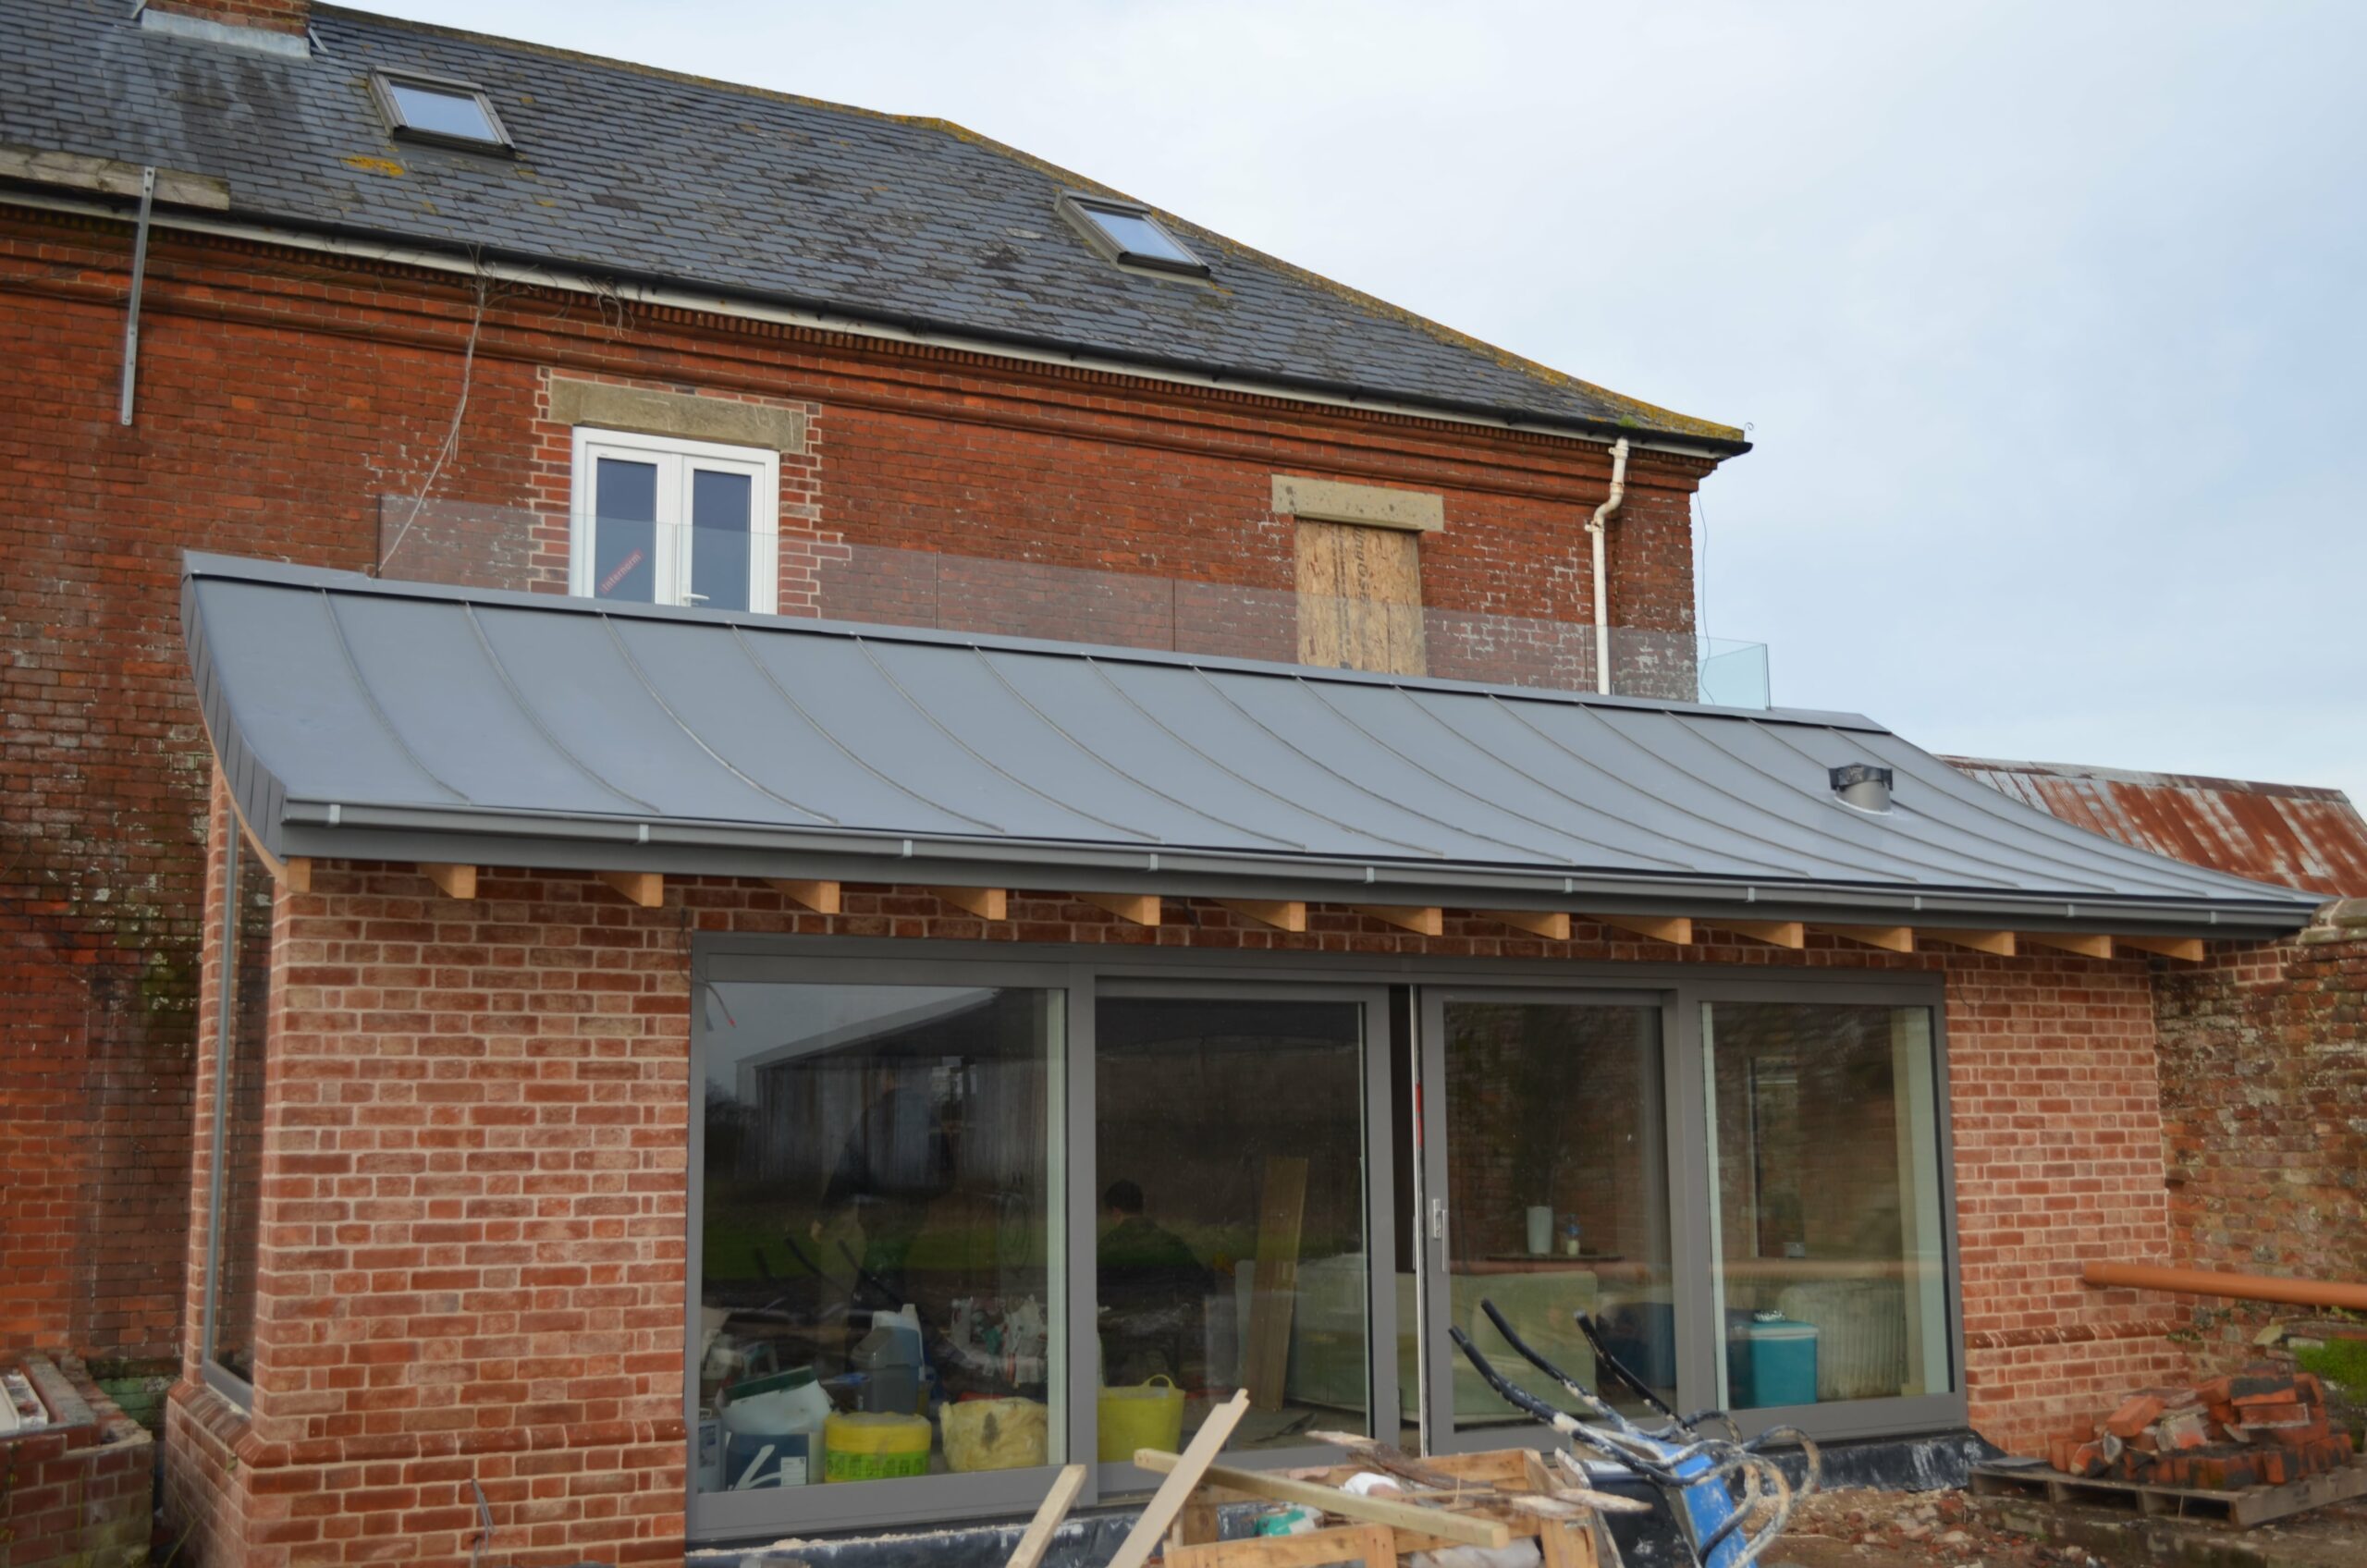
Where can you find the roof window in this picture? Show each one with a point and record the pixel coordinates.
(426, 108)
(1126, 233)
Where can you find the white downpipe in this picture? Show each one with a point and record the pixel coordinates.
(1602, 514)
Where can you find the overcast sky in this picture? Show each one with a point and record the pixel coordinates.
(2046, 318)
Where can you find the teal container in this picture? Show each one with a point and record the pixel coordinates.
(1771, 1360)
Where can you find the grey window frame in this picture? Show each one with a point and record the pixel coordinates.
(1085, 972)
(1852, 1418)
(1078, 207)
(1120, 1478)
(239, 1391)
(1439, 1434)
(382, 86)
(928, 1499)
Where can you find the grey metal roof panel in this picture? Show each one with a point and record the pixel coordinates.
(397, 720)
(629, 172)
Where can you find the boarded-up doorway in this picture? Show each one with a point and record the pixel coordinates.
(1360, 597)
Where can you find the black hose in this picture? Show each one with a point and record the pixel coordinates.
(1617, 1368)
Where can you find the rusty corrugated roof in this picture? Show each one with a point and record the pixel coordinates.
(2295, 834)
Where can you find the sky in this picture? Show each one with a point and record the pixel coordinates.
(2046, 319)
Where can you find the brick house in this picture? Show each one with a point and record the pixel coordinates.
(654, 721)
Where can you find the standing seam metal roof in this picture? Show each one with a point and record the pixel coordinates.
(625, 171)
(396, 720)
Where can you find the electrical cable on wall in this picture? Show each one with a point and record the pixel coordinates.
(452, 436)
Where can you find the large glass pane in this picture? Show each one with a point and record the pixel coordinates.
(1232, 1250)
(1137, 236)
(879, 1292)
(238, 1132)
(624, 531)
(1557, 1183)
(720, 513)
(442, 112)
(1827, 1246)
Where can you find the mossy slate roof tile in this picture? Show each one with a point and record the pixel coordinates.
(647, 174)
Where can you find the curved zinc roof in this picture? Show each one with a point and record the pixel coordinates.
(378, 719)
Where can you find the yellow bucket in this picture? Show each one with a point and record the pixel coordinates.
(1145, 1416)
(875, 1446)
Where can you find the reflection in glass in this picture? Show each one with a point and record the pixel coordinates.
(624, 532)
(879, 1296)
(1233, 1251)
(1557, 1180)
(720, 512)
(442, 112)
(1135, 235)
(1825, 1203)
(238, 1132)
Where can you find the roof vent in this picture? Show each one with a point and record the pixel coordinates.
(1863, 785)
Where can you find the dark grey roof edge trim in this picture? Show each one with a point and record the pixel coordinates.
(691, 849)
(1376, 399)
(288, 574)
(259, 792)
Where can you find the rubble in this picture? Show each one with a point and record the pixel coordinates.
(2264, 1427)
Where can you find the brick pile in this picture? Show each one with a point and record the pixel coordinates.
(2263, 1427)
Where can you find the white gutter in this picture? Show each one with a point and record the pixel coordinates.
(1602, 513)
(554, 277)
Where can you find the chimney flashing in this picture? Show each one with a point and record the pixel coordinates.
(296, 45)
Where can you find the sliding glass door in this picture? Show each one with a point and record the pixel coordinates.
(957, 1220)
(1743, 1186)
(1546, 1185)
(1242, 1159)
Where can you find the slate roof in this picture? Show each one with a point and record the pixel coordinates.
(372, 719)
(631, 172)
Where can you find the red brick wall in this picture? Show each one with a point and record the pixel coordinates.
(475, 1189)
(275, 16)
(282, 398)
(75, 1493)
(2057, 1123)
(2264, 1110)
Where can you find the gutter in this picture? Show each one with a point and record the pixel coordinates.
(544, 840)
(661, 290)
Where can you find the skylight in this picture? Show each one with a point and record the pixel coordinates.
(1130, 235)
(427, 109)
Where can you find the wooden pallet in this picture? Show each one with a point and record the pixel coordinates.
(2235, 1511)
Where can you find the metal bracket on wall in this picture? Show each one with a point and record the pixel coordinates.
(139, 276)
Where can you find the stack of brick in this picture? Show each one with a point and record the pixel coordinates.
(2263, 1427)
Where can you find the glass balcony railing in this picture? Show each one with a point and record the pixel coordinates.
(501, 547)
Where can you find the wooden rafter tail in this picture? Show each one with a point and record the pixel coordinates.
(1677, 930)
(1774, 933)
(986, 903)
(1997, 944)
(452, 881)
(822, 898)
(1551, 925)
(2087, 944)
(2184, 949)
(646, 889)
(1135, 908)
(1282, 914)
(1889, 938)
(1422, 920)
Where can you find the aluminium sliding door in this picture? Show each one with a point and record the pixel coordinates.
(1243, 1178)
(1547, 1124)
